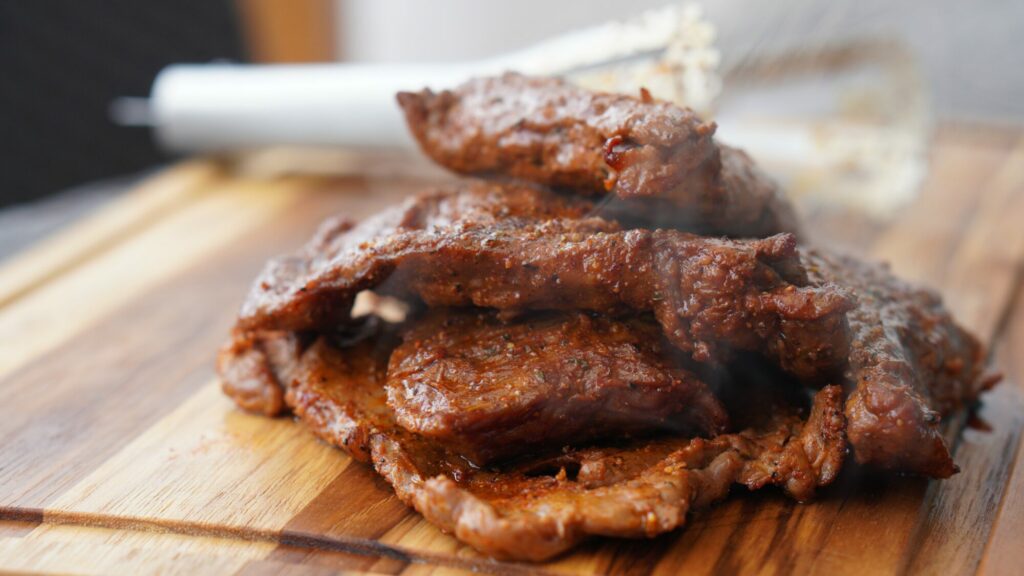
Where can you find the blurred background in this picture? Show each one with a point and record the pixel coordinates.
(63, 62)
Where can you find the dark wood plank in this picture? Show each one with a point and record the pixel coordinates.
(357, 505)
(983, 278)
(18, 528)
(303, 560)
(1004, 553)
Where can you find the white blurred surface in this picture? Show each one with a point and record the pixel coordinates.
(223, 107)
(969, 52)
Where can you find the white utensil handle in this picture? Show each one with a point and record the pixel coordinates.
(224, 107)
(220, 107)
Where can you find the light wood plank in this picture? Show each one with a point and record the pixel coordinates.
(960, 512)
(89, 396)
(982, 278)
(98, 551)
(986, 265)
(59, 310)
(156, 198)
(176, 472)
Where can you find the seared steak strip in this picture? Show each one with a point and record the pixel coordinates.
(338, 391)
(254, 368)
(640, 491)
(909, 363)
(548, 131)
(710, 295)
(536, 508)
(490, 390)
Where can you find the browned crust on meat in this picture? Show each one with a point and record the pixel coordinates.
(711, 295)
(634, 491)
(490, 389)
(339, 396)
(254, 369)
(536, 508)
(548, 131)
(909, 363)
(801, 461)
(535, 517)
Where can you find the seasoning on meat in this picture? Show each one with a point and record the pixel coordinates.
(909, 363)
(580, 361)
(710, 295)
(545, 130)
(641, 491)
(537, 507)
(491, 390)
(340, 395)
(254, 369)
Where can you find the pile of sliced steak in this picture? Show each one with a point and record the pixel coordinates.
(610, 322)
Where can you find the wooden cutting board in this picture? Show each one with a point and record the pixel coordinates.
(119, 454)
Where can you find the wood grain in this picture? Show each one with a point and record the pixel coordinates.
(88, 293)
(1003, 553)
(112, 224)
(119, 454)
(62, 549)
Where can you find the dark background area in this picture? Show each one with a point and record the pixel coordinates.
(62, 62)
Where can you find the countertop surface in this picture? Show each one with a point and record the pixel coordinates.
(120, 454)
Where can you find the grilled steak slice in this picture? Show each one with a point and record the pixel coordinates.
(909, 363)
(547, 131)
(642, 490)
(254, 369)
(535, 508)
(710, 295)
(490, 389)
(338, 389)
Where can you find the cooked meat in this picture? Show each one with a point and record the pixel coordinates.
(639, 491)
(575, 360)
(490, 389)
(778, 448)
(748, 204)
(254, 368)
(909, 363)
(536, 508)
(710, 295)
(338, 389)
(458, 206)
(527, 517)
(249, 373)
(548, 131)
(798, 459)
